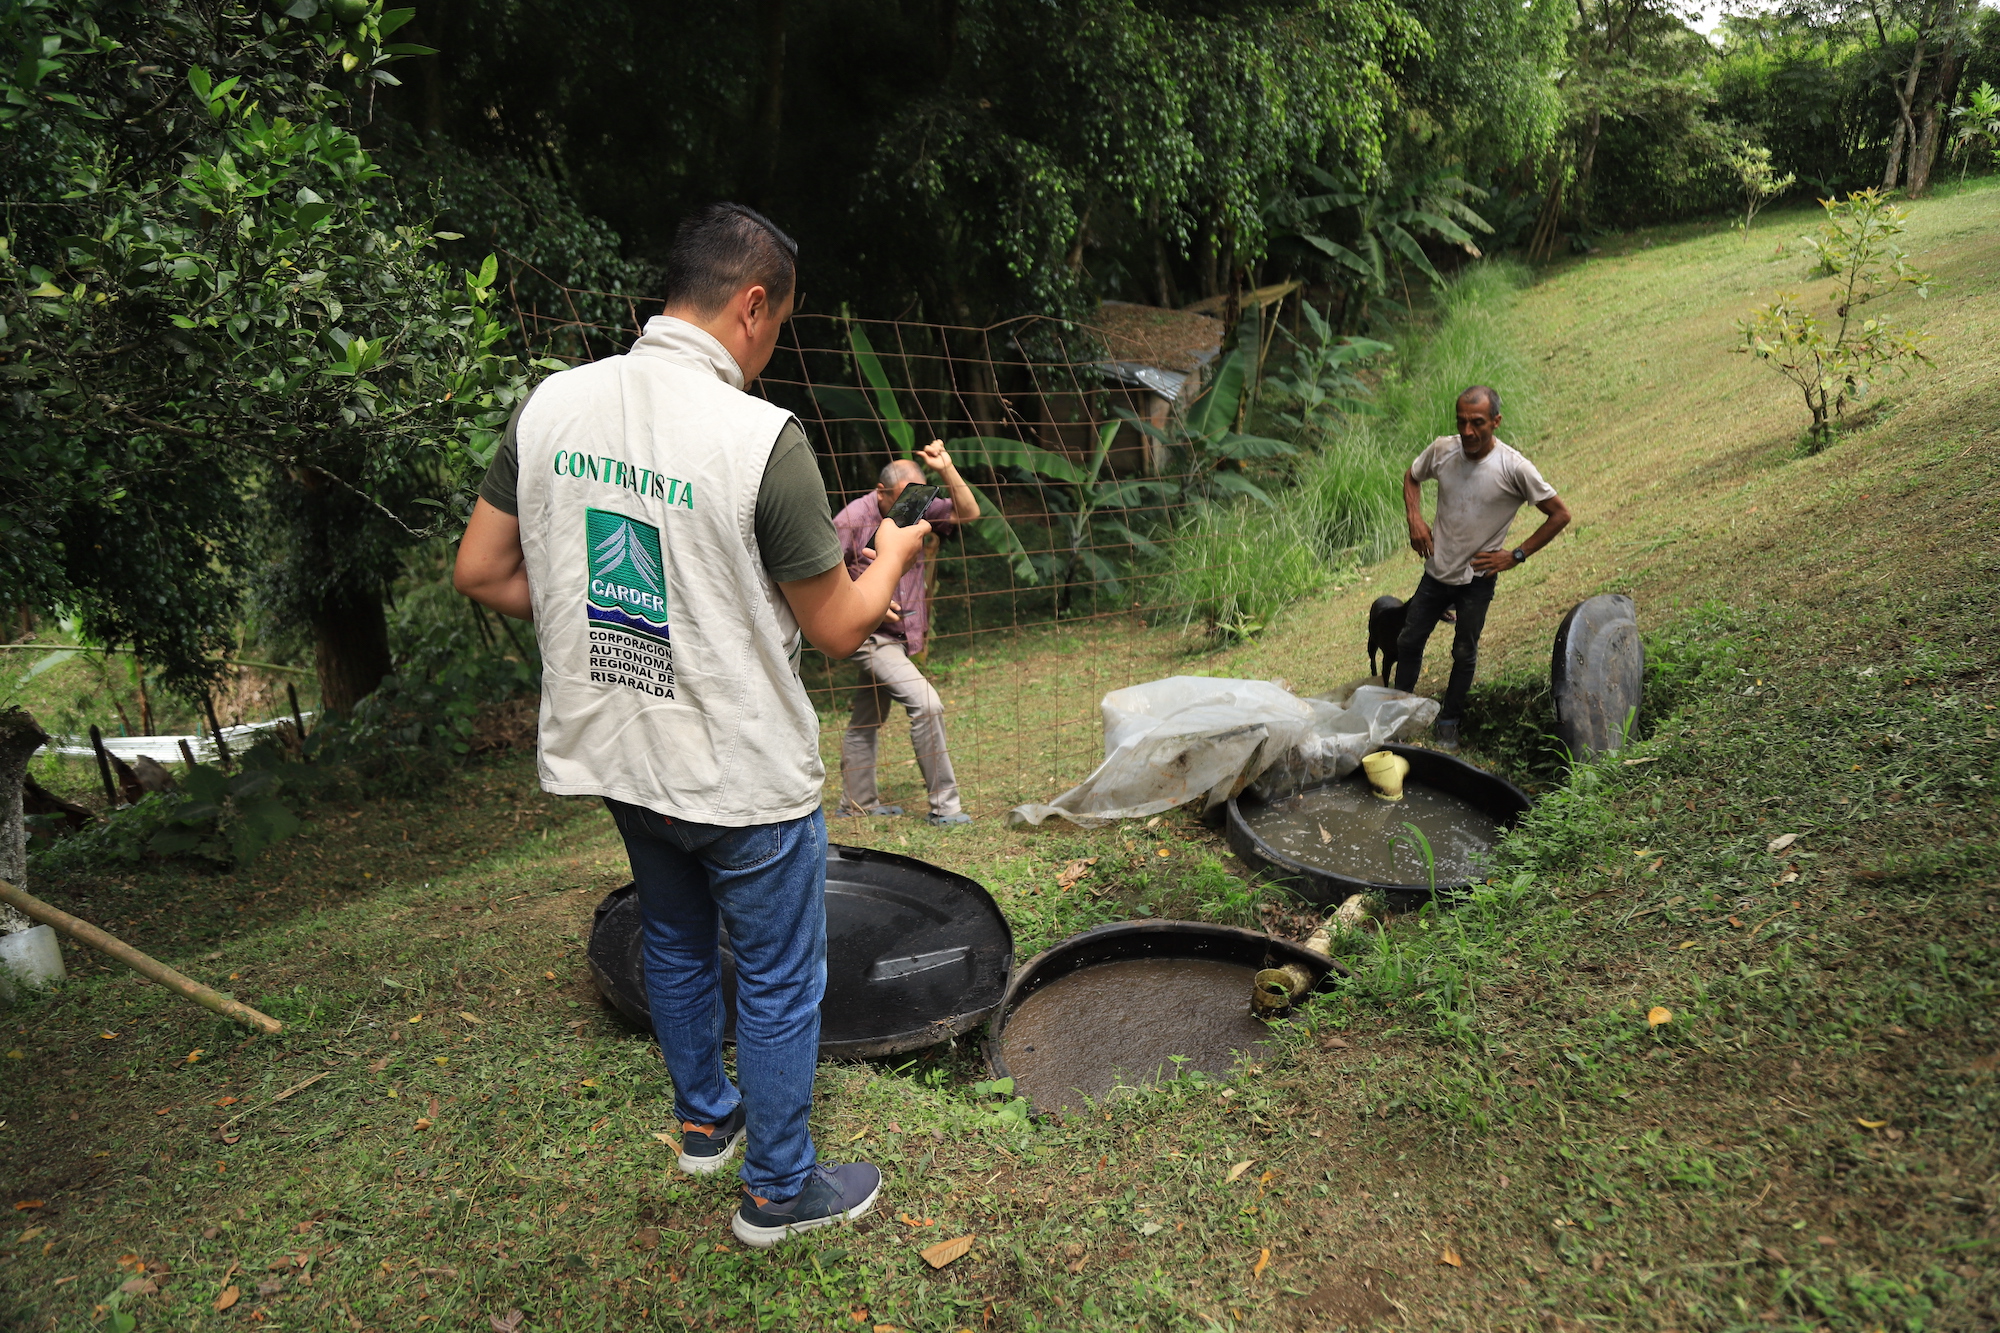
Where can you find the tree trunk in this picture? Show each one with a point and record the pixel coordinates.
(770, 102)
(350, 649)
(1586, 158)
(1937, 98)
(20, 737)
(1906, 128)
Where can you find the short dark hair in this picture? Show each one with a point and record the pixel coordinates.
(1488, 392)
(724, 248)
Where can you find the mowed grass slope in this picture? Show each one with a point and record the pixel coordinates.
(1482, 1130)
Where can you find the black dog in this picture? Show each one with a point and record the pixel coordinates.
(1385, 626)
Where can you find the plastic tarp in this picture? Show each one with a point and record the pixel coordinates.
(1197, 738)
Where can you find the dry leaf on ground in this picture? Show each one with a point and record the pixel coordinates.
(25, 1204)
(1869, 1124)
(138, 1286)
(942, 1253)
(508, 1324)
(1236, 1171)
(476, 1022)
(1074, 871)
(1263, 1262)
(1658, 1016)
(1450, 1256)
(229, 1297)
(1782, 841)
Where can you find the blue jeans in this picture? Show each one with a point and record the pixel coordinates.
(767, 885)
(1427, 604)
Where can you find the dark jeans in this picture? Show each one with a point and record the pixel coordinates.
(1427, 604)
(767, 884)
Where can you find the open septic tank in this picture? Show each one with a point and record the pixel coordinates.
(1132, 1003)
(917, 954)
(1335, 839)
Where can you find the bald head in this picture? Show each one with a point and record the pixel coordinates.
(889, 483)
(899, 471)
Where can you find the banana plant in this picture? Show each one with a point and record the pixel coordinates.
(1319, 385)
(1382, 225)
(991, 525)
(1091, 510)
(1207, 436)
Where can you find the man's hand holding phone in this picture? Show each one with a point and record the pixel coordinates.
(898, 546)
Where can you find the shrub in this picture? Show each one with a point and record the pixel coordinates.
(1833, 364)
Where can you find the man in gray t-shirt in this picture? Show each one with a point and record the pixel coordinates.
(1482, 483)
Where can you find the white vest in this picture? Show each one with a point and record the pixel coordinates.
(669, 656)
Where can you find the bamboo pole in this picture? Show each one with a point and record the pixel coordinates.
(144, 964)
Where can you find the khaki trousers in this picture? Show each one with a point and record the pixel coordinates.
(887, 673)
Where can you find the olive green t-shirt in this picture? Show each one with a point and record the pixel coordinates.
(793, 522)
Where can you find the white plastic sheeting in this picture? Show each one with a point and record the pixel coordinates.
(1196, 738)
(167, 749)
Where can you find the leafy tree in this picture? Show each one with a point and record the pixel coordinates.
(217, 339)
(1627, 60)
(1761, 183)
(1835, 364)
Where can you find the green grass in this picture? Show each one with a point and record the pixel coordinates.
(1807, 1144)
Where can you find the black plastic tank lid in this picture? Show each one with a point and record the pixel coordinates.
(1597, 674)
(914, 955)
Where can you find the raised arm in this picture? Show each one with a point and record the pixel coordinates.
(964, 507)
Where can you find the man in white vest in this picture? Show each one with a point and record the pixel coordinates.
(669, 535)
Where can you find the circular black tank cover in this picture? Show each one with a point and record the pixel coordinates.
(914, 954)
(1597, 674)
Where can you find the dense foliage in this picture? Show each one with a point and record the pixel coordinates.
(216, 337)
(249, 275)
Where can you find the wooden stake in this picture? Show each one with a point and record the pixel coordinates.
(144, 964)
(145, 700)
(215, 729)
(103, 767)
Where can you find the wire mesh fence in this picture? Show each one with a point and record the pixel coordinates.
(1087, 472)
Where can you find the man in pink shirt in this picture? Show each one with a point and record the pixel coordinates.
(886, 669)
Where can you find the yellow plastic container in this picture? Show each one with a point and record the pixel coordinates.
(1386, 771)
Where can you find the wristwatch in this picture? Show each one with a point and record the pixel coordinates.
(1520, 556)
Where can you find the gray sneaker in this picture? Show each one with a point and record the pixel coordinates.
(1444, 736)
(832, 1194)
(873, 811)
(943, 820)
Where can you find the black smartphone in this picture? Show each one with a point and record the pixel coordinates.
(912, 503)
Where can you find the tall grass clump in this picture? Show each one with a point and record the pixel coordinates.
(1233, 566)
(1461, 345)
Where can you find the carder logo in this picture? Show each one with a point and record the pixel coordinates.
(628, 589)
